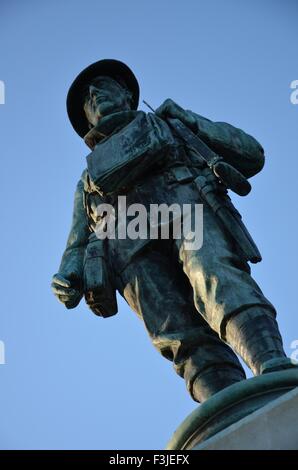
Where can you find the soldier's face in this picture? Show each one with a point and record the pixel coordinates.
(105, 96)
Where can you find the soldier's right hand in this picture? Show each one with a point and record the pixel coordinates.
(66, 291)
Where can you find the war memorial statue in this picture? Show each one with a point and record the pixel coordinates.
(199, 304)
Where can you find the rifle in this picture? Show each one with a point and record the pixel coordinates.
(229, 177)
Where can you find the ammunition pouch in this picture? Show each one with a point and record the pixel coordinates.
(100, 294)
(119, 161)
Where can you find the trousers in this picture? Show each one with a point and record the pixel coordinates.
(185, 297)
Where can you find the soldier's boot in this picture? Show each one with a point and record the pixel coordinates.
(255, 336)
(213, 379)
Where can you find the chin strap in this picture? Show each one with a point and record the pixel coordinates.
(93, 137)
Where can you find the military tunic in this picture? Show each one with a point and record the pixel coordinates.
(184, 297)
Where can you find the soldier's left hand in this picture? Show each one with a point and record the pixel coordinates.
(170, 109)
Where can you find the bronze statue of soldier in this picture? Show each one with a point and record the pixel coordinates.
(199, 306)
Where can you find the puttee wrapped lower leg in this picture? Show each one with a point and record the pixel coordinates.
(255, 336)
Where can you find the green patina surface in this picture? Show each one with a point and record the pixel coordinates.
(199, 306)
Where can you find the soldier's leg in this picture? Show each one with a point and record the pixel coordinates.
(254, 335)
(229, 299)
(159, 292)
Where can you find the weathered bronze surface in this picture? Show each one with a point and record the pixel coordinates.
(199, 306)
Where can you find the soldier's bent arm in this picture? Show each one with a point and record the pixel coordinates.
(237, 148)
(73, 256)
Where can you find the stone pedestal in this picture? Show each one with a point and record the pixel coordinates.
(258, 413)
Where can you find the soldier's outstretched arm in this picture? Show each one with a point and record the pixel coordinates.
(237, 148)
(67, 284)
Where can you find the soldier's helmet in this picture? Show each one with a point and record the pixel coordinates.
(75, 97)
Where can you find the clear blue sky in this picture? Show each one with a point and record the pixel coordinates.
(72, 380)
